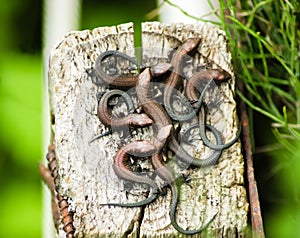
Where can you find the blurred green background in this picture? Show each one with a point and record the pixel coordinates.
(20, 120)
(21, 85)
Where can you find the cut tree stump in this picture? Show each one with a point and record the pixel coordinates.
(85, 174)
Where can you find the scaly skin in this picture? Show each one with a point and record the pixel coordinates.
(123, 171)
(161, 118)
(132, 119)
(164, 173)
(192, 93)
(120, 81)
(174, 81)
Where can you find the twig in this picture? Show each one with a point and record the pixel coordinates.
(256, 218)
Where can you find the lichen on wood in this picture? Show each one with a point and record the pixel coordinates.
(85, 171)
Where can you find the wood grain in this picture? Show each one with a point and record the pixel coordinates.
(85, 171)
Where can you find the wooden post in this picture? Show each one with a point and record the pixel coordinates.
(58, 17)
(85, 174)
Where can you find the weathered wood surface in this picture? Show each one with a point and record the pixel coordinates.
(85, 169)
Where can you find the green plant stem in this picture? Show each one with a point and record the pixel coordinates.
(265, 43)
(260, 110)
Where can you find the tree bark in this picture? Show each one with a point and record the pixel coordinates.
(85, 174)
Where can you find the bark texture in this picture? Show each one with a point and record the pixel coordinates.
(86, 176)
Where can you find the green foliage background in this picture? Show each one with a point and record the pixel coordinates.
(264, 36)
(20, 119)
